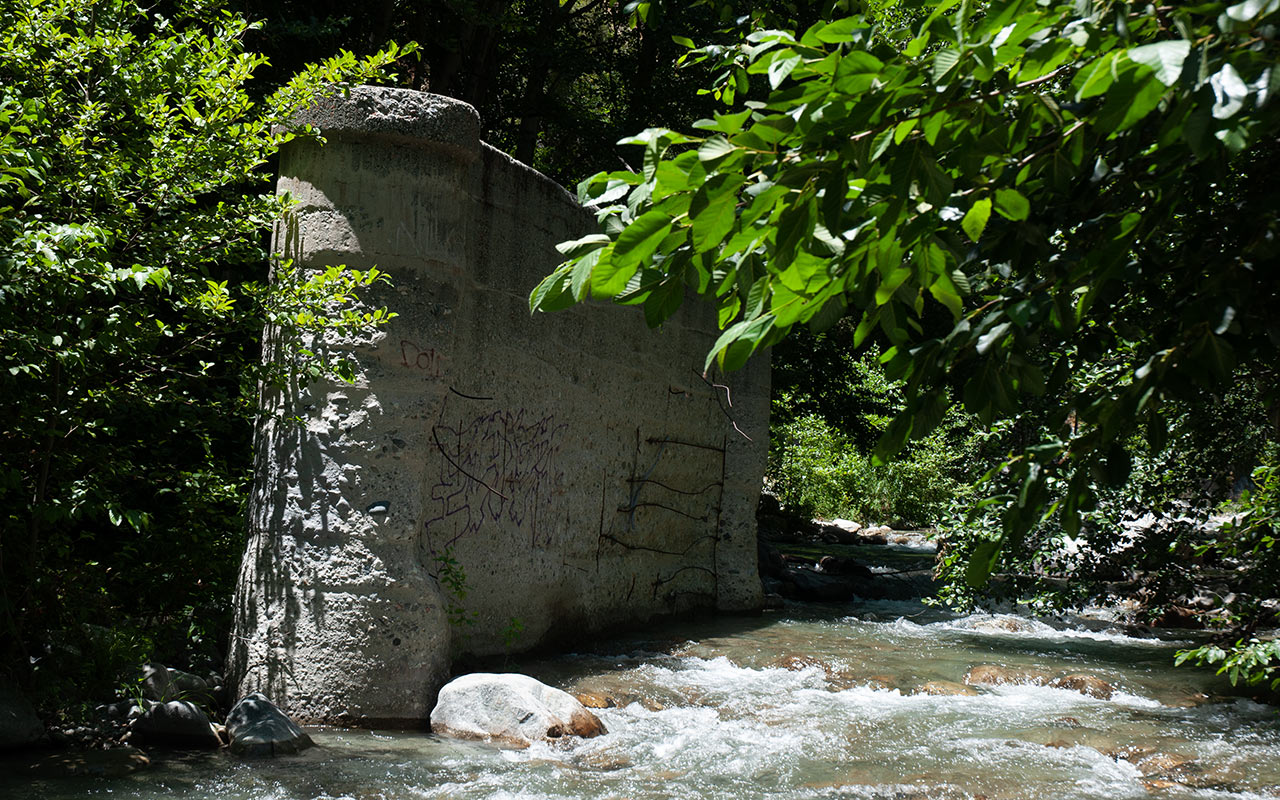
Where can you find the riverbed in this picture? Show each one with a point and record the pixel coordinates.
(804, 702)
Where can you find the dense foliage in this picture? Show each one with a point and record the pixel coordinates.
(1055, 213)
(830, 405)
(134, 203)
(1247, 547)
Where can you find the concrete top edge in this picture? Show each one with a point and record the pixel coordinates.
(402, 115)
(532, 174)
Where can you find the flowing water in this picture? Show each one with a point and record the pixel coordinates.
(807, 702)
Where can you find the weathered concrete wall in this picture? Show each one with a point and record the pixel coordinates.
(576, 465)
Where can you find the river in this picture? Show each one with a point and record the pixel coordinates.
(811, 701)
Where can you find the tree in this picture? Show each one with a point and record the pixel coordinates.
(133, 211)
(556, 82)
(1054, 202)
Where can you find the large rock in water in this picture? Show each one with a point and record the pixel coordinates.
(258, 728)
(19, 724)
(510, 709)
(177, 723)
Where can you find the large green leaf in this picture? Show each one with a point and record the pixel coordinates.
(714, 210)
(975, 219)
(1012, 205)
(640, 239)
(1165, 58)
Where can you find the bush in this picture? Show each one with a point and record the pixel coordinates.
(134, 200)
(816, 471)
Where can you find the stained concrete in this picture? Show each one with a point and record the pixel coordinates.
(576, 467)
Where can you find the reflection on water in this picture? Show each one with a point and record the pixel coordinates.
(803, 704)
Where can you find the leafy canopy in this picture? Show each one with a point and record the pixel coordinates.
(995, 193)
(134, 202)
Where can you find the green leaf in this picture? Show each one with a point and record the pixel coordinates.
(1166, 58)
(551, 293)
(715, 148)
(581, 276)
(579, 247)
(640, 239)
(881, 143)
(993, 337)
(1012, 205)
(1135, 94)
(839, 31)
(975, 219)
(736, 344)
(982, 562)
(831, 312)
(781, 67)
(713, 211)
(1250, 10)
(933, 126)
(916, 46)
(1095, 78)
(856, 72)
(945, 293)
(903, 129)
(943, 62)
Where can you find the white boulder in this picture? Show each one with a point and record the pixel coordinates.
(510, 709)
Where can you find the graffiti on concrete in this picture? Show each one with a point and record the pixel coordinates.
(426, 360)
(498, 467)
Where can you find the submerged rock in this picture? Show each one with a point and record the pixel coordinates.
(1090, 685)
(1160, 764)
(993, 675)
(510, 709)
(795, 662)
(1001, 623)
(946, 688)
(594, 700)
(177, 723)
(111, 763)
(20, 726)
(256, 727)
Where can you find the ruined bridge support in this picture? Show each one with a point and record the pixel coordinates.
(574, 471)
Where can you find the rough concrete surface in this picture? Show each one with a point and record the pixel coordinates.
(575, 466)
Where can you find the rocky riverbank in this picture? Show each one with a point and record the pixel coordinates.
(171, 710)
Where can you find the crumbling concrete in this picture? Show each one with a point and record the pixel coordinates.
(569, 471)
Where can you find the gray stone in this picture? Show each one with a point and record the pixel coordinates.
(163, 683)
(257, 728)
(177, 723)
(575, 467)
(20, 726)
(510, 709)
(398, 116)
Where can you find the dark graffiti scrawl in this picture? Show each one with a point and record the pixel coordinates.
(496, 468)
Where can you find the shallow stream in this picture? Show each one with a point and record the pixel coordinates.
(807, 702)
